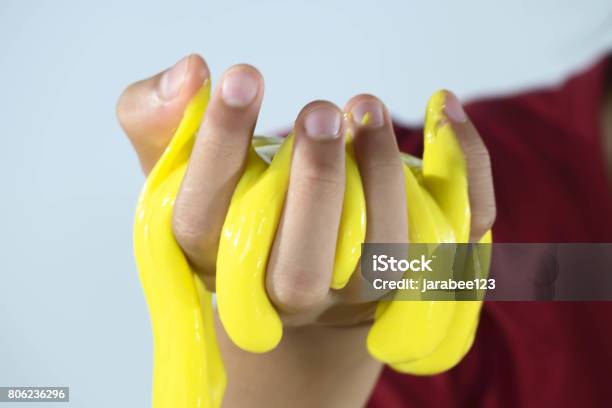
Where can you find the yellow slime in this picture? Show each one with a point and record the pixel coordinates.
(419, 337)
(188, 370)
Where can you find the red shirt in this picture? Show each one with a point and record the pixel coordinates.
(550, 186)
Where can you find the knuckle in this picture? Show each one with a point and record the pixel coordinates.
(298, 289)
(230, 154)
(383, 168)
(324, 184)
(476, 151)
(187, 233)
(217, 147)
(484, 219)
(480, 160)
(121, 108)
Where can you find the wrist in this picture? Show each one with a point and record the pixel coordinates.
(316, 365)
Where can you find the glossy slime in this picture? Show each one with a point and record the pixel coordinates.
(417, 337)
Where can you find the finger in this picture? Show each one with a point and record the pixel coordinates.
(216, 164)
(480, 178)
(381, 171)
(302, 257)
(382, 175)
(150, 110)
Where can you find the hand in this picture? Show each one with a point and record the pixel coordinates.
(299, 270)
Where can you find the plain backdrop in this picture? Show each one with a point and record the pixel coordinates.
(72, 312)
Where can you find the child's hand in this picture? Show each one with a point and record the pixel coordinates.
(301, 262)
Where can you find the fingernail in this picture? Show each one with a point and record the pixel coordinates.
(368, 113)
(239, 87)
(323, 123)
(172, 80)
(453, 109)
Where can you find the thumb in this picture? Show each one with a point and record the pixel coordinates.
(150, 110)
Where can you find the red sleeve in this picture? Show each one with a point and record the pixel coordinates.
(550, 186)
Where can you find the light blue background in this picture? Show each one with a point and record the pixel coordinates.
(71, 308)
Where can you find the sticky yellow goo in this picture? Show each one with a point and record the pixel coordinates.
(418, 337)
